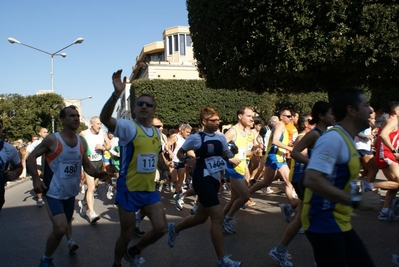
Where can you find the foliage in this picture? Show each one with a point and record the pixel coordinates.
(23, 116)
(301, 46)
(180, 101)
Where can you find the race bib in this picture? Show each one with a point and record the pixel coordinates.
(70, 170)
(215, 164)
(242, 153)
(146, 162)
(250, 146)
(95, 157)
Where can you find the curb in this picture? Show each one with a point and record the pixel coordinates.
(17, 182)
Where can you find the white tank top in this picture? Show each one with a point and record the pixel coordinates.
(93, 140)
(180, 141)
(65, 164)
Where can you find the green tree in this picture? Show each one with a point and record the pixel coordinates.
(301, 46)
(23, 116)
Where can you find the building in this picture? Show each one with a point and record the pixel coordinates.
(77, 102)
(172, 58)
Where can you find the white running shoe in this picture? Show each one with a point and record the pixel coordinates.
(280, 257)
(93, 217)
(110, 192)
(82, 208)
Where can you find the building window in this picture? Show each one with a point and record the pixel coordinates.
(182, 45)
(176, 41)
(188, 40)
(170, 46)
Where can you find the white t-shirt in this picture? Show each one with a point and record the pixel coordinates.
(363, 143)
(330, 149)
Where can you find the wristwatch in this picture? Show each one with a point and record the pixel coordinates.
(394, 151)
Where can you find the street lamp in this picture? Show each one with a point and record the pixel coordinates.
(78, 100)
(77, 41)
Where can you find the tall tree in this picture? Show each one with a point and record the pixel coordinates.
(265, 45)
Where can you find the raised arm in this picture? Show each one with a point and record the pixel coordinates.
(106, 113)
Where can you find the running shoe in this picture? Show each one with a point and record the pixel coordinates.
(93, 217)
(138, 232)
(395, 260)
(227, 262)
(228, 226)
(394, 210)
(171, 235)
(194, 209)
(267, 190)
(46, 262)
(250, 203)
(39, 203)
(386, 216)
(366, 186)
(135, 261)
(280, 257)
(110, 193)
(179, 202)
(72, 246)
(286, 211)
(82, 208)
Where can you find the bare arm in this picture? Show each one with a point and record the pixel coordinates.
(386, 130)
(108, 109)
(45, 147)
(302, 144)
(171, 141)
(107, 143)
(318, 183)
(279, 129)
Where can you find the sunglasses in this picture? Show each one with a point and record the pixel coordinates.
(158, 126)
(288, 116)
(213, 120)
(141, 103)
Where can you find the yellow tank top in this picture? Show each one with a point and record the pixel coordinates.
(241, 142)
(142, 167)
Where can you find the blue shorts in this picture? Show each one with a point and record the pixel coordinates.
(178, 165)
(133, 201)
(207, 189)
(61, 206)
(273, 162)
(364, 152)
(232, 173)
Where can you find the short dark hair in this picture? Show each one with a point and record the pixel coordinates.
(348, 96)
(392, 106)
(320, 107)
(63, 111)
(242, 109)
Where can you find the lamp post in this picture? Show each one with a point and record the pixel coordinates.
(77, 41)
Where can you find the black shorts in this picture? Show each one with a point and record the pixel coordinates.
(207, 189)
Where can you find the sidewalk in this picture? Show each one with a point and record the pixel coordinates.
(17, 182)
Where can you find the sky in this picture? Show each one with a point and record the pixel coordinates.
(114, 33)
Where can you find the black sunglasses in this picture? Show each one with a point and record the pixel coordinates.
(288, 116)
(158, 126)
(141, 103)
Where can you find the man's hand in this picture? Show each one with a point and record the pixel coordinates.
(235, 161)
(39, 186)
(119, 85)
(11, 175)
(370, 201)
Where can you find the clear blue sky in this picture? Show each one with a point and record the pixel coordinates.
(114, 33)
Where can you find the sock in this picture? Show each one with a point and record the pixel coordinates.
(134, 251)
(281, 248)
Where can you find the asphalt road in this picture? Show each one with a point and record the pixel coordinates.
(24, 229)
